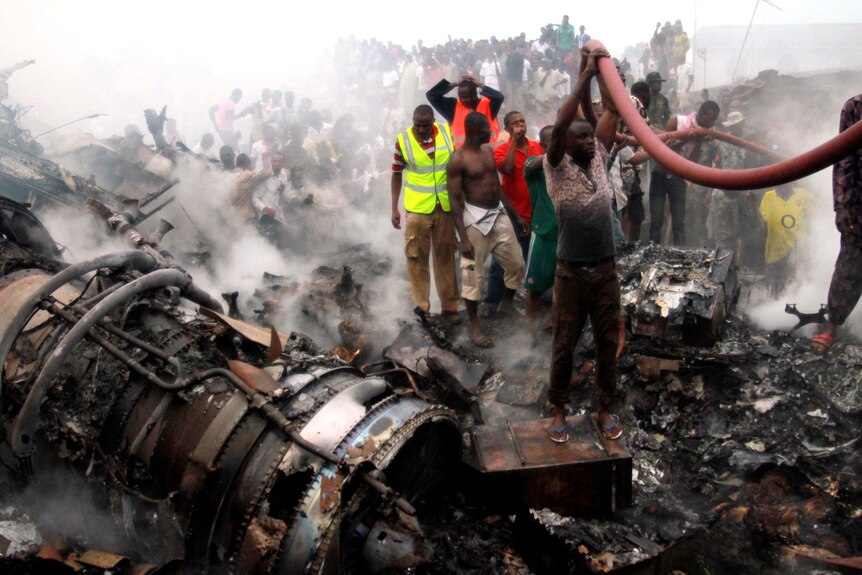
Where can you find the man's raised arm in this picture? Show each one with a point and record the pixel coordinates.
(569, 111)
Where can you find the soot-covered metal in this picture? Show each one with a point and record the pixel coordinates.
(209, 446)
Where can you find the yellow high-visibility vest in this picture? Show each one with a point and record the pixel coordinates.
(424, 178)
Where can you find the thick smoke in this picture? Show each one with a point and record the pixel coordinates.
(805, 116)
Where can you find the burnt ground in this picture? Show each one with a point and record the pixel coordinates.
(746, 455)
(749, 451)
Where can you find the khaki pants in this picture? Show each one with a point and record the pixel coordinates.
(432, 234)
(500, 242)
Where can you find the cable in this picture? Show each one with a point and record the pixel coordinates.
(744, 40)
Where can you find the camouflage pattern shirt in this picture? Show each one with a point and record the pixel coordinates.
(847, 175)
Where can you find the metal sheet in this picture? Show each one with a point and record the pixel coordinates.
(332, 423)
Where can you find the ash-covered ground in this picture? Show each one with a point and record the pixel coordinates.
(745, 453)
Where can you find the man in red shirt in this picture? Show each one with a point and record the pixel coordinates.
(511, 157)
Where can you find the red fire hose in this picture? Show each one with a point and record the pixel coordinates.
(786, 171)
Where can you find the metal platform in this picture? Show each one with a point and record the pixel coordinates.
(587, 474)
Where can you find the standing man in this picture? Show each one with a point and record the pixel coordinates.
(846, 286)
(542, 255)
(565, 37)
(510, 157)
(222, 116)
(478, 203)
(586, 283)
(455, 110)
(659, 108)
(784, 210)
(724, 205)
(582, 37)
(421, 156)
(666, 185)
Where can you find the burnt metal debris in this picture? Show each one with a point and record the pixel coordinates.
(216, 445)
(230, 465)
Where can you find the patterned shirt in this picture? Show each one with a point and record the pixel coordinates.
(847, 173)
(582, 200)
(731, 157)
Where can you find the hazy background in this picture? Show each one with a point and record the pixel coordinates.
(118, 58)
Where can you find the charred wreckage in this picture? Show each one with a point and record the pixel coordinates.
(221, 446)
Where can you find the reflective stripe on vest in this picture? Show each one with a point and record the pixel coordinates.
(424, 178)
(461, 111)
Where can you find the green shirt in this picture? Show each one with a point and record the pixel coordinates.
(544, 220)
(565, 37)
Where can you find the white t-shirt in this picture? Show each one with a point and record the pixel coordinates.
(488, 72)
(683, 72)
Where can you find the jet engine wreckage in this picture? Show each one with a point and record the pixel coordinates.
(237, 466)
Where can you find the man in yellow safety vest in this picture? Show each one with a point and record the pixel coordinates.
(419, 165)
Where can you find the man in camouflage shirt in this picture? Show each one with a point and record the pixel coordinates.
(659, 107)
(724, 214)
(846, 286)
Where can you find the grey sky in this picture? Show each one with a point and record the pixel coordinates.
(118, 57)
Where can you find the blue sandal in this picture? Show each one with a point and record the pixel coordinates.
(562, 433)
(612, 430)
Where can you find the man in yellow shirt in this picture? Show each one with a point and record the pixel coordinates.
(784, 210)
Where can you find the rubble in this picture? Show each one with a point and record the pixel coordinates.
(741, 448)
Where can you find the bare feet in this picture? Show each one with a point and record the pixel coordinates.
(479, 339)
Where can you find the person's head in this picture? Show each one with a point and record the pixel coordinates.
(565, 20)
(288, 99)
(545, 136)
(468, 95)
(581, 28)
(236, 95)
(476, 125)
(243, 162)
(707, 114)
(642, 92)
(735, 123)
(265, 95)
(515, 119)
(423, 122)
(580, 140)
(207, 141)
(276, 160)
(654, 80)
(227, 157)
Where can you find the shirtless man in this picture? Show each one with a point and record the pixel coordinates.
(478, 204)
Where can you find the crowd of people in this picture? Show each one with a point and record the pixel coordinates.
(500, 182)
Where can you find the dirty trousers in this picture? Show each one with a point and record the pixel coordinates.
(846, 286)
(667, 186)
(431, 234)
(581, 293)
(502, 243)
